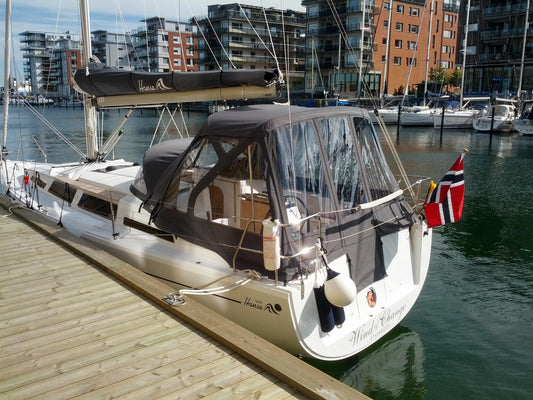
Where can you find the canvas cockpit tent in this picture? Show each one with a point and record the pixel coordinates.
(320, 172)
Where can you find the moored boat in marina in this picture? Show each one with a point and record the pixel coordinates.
(286, 220)
(495, 118)
(524, 122)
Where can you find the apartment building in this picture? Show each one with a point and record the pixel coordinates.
(243, 36)
(499, 33)
(412, 38)
(112, 49)
(339, 47)
(49, 59)
(163, 45)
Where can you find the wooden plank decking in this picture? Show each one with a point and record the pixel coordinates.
(71, 326)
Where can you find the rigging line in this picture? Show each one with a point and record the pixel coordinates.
(286, 49)
(207, 43)
(257, 34)
(126, 35)
(177, 8)
(53, 128)
(270, 35)
(406, 89)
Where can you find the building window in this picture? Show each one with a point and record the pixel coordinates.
(351, 59)
(386, 23)
(397, 61)
(398, 44)
(176, 39)
(312, 12)
(399, 9)
(383, 59)
(177, 51)
(446, 17)
(399, 26)
(410, 61)
(190, 62)
(445, 49)
(413, 28)
(190, 40)
(177, 62)
(384, 40)
(411, 45)
(386, 6)
(415, 12)
(353, 23)
(190, 51)
(447, 34)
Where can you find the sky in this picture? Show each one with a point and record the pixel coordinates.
(116, 16)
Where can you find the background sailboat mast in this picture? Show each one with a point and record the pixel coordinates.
(90, 110)
(465, 42)
(427, 53)
(7, 78)
(524, 39)
(385, 68)
(359, 83)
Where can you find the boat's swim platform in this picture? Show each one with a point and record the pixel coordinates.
(76, 322)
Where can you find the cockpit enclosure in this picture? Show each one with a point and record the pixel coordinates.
(310, 169)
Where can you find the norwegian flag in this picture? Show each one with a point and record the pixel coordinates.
(444, 204)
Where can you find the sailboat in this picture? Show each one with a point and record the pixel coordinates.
(524, 122)
(284, 219)
(460, 117)
(422, 115)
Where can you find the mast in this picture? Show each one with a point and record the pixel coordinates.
(359, 83)
(7, 77)
(464, 51)
(524, 39)
(90, 110)
(385, 77)
(427, 54)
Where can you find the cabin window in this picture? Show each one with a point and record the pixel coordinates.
(222, 181)
(342, 161)
(97, 206)
(197, 164)
(373, 163)
(301, 171)
(62, 190)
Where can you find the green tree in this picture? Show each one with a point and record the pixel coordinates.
(455, 77)
(439, 75)
(399, 91)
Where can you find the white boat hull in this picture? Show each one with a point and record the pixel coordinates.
(285, 314)
(523, 126)
(419, 117)
(459, 119)
(486, 124)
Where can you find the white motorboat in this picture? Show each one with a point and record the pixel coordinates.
(524, 123)
(496, 118)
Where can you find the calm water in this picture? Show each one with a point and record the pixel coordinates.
(470, 335)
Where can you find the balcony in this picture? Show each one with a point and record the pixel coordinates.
(504, 11)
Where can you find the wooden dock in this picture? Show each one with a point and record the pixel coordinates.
(78, 323)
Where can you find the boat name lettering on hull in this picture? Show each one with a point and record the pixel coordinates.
(258, 305)
(378, 326)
